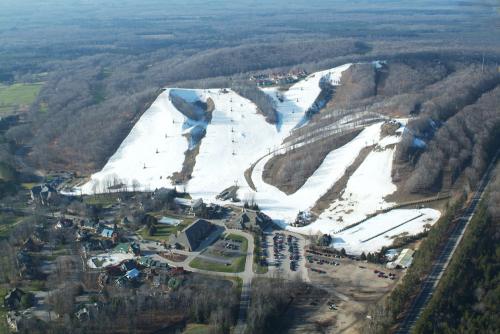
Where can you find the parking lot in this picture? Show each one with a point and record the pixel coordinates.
(285, 254)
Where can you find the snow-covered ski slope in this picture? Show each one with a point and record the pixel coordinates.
(136, 162)
(238, 137)
(283, 207)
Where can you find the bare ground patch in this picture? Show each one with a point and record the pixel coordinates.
(190, 155)
(352, 286)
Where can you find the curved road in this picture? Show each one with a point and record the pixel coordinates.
(431, 281)
(246, 276)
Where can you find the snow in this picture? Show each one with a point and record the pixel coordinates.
(238, 135)
(237, 138)
(365, 236)
(301, 96)
(363, 195)
(283, 207)
(162, 128)
(389, 140)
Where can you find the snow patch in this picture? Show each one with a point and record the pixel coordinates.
(380, 231)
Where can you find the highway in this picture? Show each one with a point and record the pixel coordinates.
(431, 281)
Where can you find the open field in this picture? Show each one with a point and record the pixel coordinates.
(352, 286)
(104, 200)
(17, 96)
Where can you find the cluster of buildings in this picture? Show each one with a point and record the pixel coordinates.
(13, 303)
(403, 260)
(278, 78)
(133, 272)
(303, 218)
(198, 208)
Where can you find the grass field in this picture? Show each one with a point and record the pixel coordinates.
(104, 200)
(17, 95)
(237, 265)
(196, 329)
(164, 231)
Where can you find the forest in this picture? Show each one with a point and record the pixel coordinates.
(452, 106)
(98, 67)
(467, 298)
(105, 71)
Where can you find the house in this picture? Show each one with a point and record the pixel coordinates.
(99, 227)
(83, 314)
(13, 320)
(64, 223)
(191, 237)
(230, 193)
(191, 206)
(30, 246)
(133, 274)
(404, 260)
(82, 235)
(128, 265)
(244, 219)
(16, 318)
(250, 220)
(163, 195)
(147, 262)
(156, 281)
(42, 193)
(107, 232)
(25, 264)
(12, 300)
(303, 218)
(126, 248)
(89, 225)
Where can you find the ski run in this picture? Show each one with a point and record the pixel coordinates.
(238, 139)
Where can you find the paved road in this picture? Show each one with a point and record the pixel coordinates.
(440, 265)
(246, 276)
